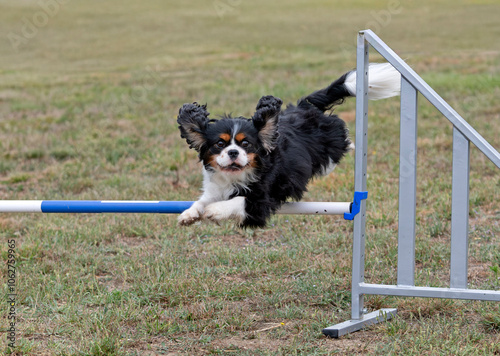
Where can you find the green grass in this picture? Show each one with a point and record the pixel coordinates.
(87, 111)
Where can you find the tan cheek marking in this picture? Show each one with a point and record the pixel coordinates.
(226, 137)
(240, 137)
(252, 162)
(213, 162)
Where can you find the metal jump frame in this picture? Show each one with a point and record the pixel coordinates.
(463, 135)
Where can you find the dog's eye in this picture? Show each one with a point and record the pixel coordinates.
(245, 144)
(220, 144)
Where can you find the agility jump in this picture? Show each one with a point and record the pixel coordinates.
(463, 135)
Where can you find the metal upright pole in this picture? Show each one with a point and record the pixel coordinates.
(407, 184)
(459, 211)
(360, 167)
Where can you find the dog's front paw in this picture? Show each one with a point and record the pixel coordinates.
(189, 217)
(224, 210)
(270, 103)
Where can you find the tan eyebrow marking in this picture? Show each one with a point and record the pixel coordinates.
(226, 137)
(240, 137)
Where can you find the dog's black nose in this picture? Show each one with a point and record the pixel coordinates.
(233, 154)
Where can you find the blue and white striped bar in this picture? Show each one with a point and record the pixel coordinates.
(93, 206)
(159, 207)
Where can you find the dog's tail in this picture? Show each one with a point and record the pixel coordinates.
(384, 81)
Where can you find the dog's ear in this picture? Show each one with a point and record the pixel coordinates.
(265, 120)
(193, 122)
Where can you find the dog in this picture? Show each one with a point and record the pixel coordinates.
(251, 166)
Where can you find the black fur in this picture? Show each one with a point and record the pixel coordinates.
(291, 146)
(307, 139)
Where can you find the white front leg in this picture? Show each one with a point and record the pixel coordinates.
(211, 193)
(228, 209)
(216, 189)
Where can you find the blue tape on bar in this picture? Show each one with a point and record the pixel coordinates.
(95, 206)
(356, 205)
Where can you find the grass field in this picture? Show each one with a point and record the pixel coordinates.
(89, 93)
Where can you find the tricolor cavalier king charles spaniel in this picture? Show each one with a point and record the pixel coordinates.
(252, 166)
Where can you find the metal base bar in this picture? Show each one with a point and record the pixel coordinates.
(350, 326)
